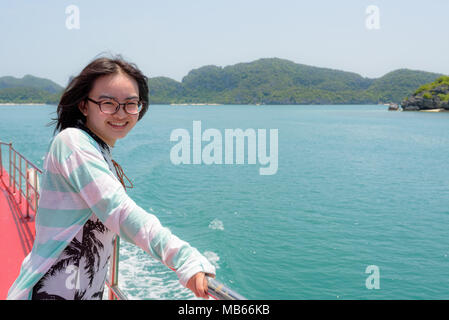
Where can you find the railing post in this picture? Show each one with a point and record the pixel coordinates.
(10, 164)
(36, 192)
(1, 162)
(27, 188)
(20, 180)
(14, 175)
(113, 270)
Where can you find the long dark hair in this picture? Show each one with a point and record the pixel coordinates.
(68, 113)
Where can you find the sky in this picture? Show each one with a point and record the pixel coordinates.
(55, 39)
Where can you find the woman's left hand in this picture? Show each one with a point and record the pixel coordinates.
(198, 285)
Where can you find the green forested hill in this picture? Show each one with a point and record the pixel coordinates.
(28, 95)
(264, 81)
(30, 81)
(29, 89)
(396, 85)
(277, 81)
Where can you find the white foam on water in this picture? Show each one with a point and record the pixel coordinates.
(213, 258)
(216, 225)
(141, 277)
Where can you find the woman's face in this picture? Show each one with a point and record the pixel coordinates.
(110, 127)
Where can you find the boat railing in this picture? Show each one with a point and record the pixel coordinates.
(24, 184)
(23, 179)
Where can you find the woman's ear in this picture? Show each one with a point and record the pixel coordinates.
(83, 107)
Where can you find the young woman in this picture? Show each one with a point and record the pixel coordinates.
(83, 203)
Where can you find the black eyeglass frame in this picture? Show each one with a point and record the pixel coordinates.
(139, 103)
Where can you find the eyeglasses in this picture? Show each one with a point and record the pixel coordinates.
(111, 106)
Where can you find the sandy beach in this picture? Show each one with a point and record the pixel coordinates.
(434, 110)
(22, 104)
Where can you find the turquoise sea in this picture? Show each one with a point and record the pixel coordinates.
(356, 186)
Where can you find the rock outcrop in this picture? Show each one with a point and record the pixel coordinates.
(434, 95)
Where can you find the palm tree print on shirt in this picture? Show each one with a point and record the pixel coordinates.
(90, 254)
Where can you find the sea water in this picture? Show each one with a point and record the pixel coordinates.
(356, 187)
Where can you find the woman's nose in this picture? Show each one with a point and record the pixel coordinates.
(121, 113)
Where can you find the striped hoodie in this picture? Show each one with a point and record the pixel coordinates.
(77, 183)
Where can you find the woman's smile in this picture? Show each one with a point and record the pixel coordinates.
(118, 124)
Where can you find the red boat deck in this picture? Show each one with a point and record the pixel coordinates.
(16, 235)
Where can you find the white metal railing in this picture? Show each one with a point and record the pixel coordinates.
(30, 173)
(23, 179)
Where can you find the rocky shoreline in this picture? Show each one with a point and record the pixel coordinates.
(429, 97)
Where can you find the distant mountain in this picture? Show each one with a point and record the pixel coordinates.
(163, 89)
(30, 81)
(396, 85)
(278, 81)
(264, 81)
(434, 95)
(29, 89)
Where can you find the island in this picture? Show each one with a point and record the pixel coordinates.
(430, 97)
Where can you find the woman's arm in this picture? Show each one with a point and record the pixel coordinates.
(90, 177)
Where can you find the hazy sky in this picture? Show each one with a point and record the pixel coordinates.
(169, 38)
